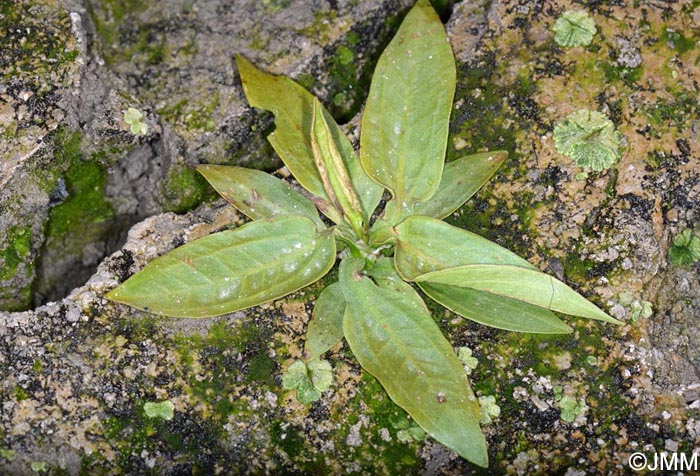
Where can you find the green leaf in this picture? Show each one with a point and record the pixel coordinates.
(495, 311)
(381, 234)
(133, 117)
(292, 106)
(518, 283)
(406, 119)
(489, 409)
(574, 28)
(589, 138)
(426, 244)
(257, 194)
(571, 408)
(333, 174)
(685, 250)
(394, 338)
(9, 455)
(468, 360)
(164, 410)
(460, 180)
(325, 328)
(232, 270)
(310, 379)
(40, 466)
(643, 309)
(385, 276)
(413, 433)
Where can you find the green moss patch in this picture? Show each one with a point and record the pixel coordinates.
(221, 370)
(378, 450)
(85, 210)
(80, 220)
(18, 242)
(195, 116)
(479, 120)
(184, 189)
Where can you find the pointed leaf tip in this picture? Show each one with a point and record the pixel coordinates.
(496, 311)
(528, 285)
(292, 106)
(231, 270)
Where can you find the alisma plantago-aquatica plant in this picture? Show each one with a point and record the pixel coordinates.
(373, 306)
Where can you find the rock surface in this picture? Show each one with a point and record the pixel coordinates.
(76, 374)
(74, 175)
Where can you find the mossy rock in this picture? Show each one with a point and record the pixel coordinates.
(582, 403)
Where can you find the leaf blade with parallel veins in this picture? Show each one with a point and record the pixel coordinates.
(231, 270)
(334, 175)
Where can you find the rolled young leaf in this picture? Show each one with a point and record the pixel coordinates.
(257, 194)
(495, 311)
(394, 338)
(231, 270)
(523, 284)
(292, 106)
(406, 118)
(334, 175)
(461, 179)
(325, 328)
(426, 244)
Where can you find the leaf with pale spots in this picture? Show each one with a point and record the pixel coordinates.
(394, 338)
(495, 311)
(384, 274)
(257, 194)
(232, 270)
(425, 244)
(385, 256)
(406, 118)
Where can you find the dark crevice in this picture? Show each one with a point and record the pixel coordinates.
(69, 256)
